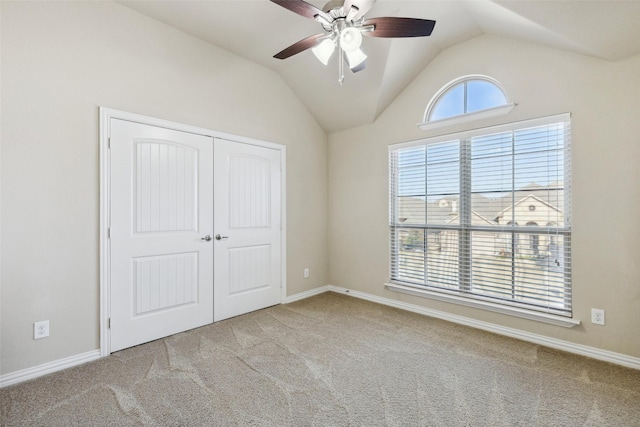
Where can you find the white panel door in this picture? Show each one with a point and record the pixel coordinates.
(161, 213)
(247, 223)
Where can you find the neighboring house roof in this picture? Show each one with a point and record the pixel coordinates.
(529, 198)
(414, 210)
(474, 215)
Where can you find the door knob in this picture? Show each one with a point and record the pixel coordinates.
(206, 238)
(219, 237)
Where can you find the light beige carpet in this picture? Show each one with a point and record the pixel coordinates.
(331, 360)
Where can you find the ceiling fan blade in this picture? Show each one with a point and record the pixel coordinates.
(363, 7)
(298, 47)
(303, 8)
(399, 27)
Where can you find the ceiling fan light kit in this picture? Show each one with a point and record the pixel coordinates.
(350, 39)
(324, 50)
(344, 25)
(355, 58)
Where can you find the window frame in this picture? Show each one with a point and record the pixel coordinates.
(465, 117)
(459, 296)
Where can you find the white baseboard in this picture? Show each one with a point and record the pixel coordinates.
(48, 368)
(583, 350)
(306, 294)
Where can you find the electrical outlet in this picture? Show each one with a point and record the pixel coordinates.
(306, 273)
(41, 329)
(597, 316)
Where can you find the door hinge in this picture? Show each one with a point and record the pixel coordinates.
(109, 323)
(109, 143)
(109, 233)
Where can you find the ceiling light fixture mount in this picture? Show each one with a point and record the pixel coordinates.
(346, 36)
(344, 25)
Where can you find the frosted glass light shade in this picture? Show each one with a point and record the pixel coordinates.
(355, 58)
(324, 50)
(350, 39)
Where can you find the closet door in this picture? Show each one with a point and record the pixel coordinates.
(248, 228)
(161, 243)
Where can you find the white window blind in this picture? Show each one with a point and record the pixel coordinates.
(486, 214)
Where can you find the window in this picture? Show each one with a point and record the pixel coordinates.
(461, 217)
(466, 98)
(534, 240)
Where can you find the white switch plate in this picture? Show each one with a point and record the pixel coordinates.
(306, 273)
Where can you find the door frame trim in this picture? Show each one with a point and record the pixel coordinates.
(106, 114)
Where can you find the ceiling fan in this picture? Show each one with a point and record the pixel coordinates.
(344, 25)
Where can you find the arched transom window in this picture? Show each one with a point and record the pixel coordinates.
(466, 98)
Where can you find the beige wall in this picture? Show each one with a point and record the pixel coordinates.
(603, 100)
(60, 62)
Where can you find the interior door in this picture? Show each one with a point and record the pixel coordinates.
(247, 227)
(161, 279)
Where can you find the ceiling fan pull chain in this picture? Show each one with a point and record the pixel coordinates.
(340, 67)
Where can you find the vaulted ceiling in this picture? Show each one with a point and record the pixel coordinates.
(257, 29)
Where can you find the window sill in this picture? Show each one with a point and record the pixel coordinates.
(485, 305)
(491, 112)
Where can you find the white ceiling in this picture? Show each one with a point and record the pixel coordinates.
(258, 29)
